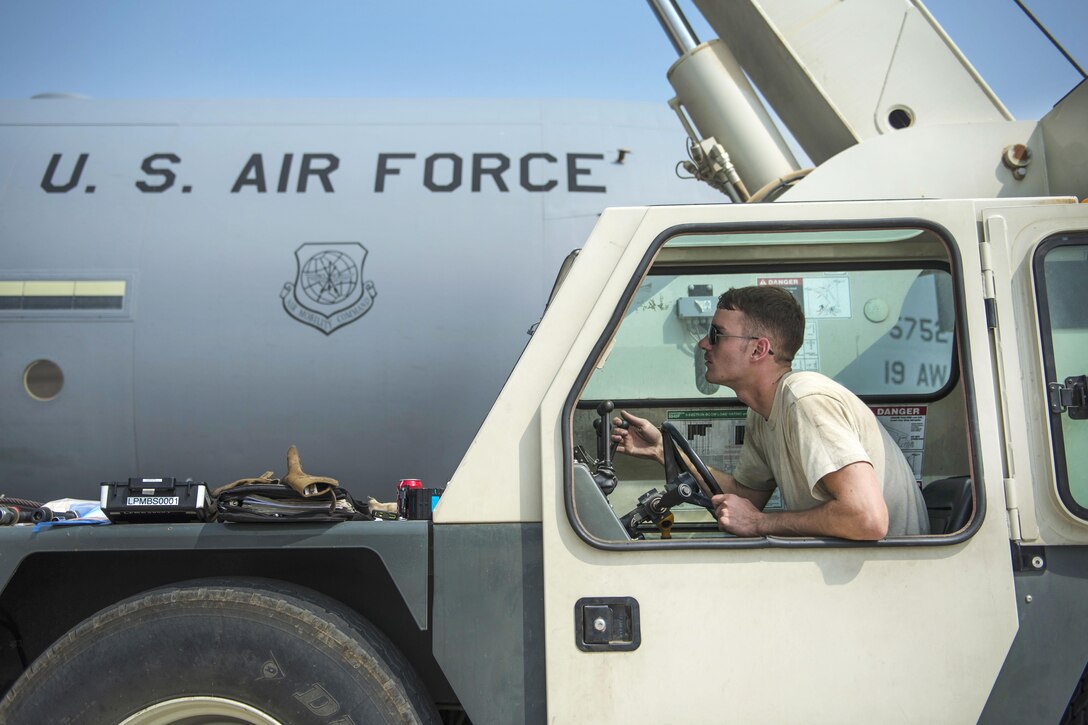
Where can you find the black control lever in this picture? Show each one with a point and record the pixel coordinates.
(605, 475)
(603, 426)
(615, 444)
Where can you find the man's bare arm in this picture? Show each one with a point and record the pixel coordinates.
(855, 511)
(728, 484)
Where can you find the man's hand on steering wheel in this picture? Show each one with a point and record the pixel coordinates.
(736, 514)
(675, 444)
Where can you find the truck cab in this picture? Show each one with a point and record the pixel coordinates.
(953, 320)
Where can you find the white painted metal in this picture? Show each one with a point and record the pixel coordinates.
(929, 162)
(834, 71)
(774, 635)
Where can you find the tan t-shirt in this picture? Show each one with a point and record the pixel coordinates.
(817, 427)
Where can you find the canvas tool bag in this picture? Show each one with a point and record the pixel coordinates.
(299, 497)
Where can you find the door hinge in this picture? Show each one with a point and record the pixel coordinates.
(1071, 397)
(1012, 508)
(990, 306)
(989, 287)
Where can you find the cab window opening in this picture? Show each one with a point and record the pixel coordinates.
(880, 320)
(1061, 266)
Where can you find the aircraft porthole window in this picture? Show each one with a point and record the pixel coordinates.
(900, 118)
(43, 379)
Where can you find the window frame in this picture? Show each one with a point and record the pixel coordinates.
(1046, 347)
(961, 363)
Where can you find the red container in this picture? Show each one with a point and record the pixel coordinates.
(403, 487)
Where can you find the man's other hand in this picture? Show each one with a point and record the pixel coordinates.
(736, 514)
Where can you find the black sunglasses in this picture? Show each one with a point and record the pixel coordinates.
(714, 334)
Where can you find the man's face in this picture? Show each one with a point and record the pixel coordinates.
(727, 361)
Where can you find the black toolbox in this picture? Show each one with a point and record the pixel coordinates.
(155, 500)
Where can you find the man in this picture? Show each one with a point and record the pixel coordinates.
(839, 471)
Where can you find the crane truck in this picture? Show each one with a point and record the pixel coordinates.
(941, 256)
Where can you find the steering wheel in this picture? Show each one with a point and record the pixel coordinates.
(680, 486)
(673, 442)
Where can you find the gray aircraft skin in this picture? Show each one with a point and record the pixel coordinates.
(352, 277)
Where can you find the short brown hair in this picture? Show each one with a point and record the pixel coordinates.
(772, 312)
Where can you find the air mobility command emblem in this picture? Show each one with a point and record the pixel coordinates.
(329, 290)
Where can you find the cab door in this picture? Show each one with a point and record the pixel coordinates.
(1037, 259)
(720, 629)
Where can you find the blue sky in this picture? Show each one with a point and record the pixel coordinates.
(610, 49)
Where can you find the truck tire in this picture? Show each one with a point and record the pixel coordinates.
(224, 651)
